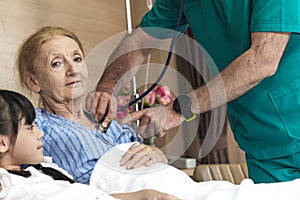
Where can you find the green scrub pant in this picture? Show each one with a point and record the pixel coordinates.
(280, 169)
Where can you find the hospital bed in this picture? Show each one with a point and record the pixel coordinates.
(213, 182)
(234, 173)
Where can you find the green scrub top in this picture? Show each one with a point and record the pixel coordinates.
(265, 120)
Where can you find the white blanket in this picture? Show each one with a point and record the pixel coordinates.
(110, 177)
(43, 187)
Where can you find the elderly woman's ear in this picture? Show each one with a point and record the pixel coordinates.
(33, 84)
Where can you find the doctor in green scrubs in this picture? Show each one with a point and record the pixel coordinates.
(256, 46)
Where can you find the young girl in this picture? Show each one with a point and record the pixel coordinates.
(23, 175)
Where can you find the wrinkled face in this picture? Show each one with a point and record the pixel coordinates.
(28, 148)
(60, 70)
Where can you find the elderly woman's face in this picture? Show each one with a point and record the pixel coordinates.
(60, 70)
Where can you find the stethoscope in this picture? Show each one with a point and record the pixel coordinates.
(136, 100)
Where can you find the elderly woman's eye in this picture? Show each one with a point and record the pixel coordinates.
(55, 64)
(77, 59)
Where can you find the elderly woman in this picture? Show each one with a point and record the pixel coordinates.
(51, 63)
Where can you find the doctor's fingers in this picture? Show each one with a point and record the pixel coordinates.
(152, 127)
(139, 114)
(106, 107)
(97, 103)
(149, 121)
(134, 116)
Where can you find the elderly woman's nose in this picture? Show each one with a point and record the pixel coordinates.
(73, 67)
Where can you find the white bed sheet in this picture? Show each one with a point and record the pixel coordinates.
(43, 187)
(110, 177)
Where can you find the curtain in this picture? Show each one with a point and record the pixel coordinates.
(214, 124)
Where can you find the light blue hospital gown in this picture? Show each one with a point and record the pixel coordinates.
(75, 147)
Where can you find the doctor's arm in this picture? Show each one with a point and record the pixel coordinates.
(123, 64)
(260, 61)
(246, 71)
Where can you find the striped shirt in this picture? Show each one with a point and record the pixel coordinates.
(77, 148)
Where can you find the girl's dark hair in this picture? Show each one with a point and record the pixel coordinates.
(13, 108)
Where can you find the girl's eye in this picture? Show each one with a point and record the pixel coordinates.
(30, 127)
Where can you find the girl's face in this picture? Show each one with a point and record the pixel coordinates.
(28, 148)
(61, 71)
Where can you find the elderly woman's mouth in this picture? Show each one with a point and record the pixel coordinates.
(73, 83)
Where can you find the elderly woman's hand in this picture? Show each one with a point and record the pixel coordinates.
(141, 154)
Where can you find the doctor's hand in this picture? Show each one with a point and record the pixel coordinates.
(156, 121)
(103, 104)
(141, 154)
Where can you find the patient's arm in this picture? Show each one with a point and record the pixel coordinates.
(145, 195)
(141, 154)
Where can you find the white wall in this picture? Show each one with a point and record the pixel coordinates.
(94, 21)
